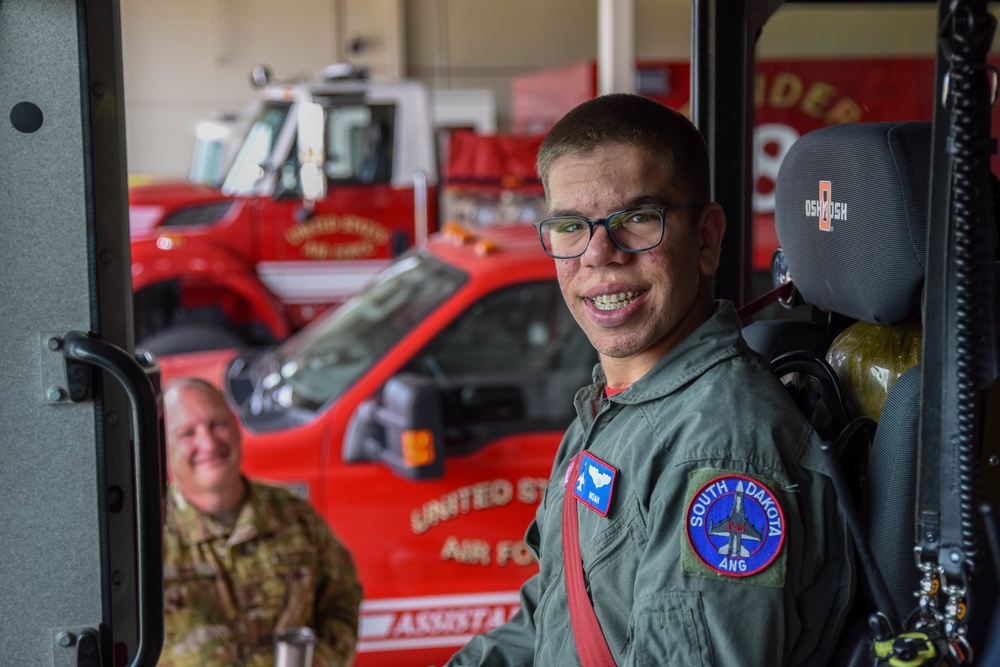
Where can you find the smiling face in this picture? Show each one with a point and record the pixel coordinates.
(634, 307)
(203, 447)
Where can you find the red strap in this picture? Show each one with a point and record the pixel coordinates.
(590, 642)
(782, 291)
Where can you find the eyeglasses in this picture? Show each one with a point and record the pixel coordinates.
(631, 230)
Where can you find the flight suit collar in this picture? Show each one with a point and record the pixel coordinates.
(716, 340)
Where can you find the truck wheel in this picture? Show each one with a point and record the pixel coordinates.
(191, 338)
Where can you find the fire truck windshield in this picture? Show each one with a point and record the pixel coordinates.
(254, 154)
(324, 359)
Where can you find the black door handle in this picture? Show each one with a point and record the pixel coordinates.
(148, 482)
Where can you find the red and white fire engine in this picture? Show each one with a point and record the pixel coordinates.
(333, 178)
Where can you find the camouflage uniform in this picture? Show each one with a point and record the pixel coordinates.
(227, 592)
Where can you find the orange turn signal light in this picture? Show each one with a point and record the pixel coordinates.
(484, 248)
(457, 234)
(418, 448)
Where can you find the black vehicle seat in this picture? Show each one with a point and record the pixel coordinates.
(851, 216)
(878, 367)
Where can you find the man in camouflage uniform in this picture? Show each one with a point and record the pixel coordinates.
(242, 560)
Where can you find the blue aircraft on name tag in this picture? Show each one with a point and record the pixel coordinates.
(595, 483)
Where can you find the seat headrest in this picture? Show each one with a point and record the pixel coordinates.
(851, 217)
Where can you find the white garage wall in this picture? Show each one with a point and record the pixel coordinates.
(184, 59)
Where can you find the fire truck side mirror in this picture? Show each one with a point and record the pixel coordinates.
(312, 152)
(404, 430)
(260, 77)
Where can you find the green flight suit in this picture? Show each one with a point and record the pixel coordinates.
(709, 408)
(227, 592)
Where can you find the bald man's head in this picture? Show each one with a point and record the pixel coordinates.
(203, 445)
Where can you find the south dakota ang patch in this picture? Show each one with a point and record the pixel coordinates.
(734, 527)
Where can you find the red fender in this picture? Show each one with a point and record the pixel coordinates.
(200, 266)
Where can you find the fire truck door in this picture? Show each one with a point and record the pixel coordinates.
(328, 253)
(73, 590)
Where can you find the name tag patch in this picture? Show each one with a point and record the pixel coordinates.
(595, 481)
(735, 525)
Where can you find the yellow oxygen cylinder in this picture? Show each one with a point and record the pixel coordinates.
(869, 357)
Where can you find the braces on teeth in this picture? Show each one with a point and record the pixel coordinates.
(613, 301)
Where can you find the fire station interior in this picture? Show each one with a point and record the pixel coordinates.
(512, 54)
(504, 363)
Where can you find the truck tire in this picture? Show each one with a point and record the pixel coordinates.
(191, 338)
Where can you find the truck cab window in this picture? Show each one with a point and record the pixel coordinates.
(255, 152)
(511, 362)
(359, 142)
(517, 329)
(317, 366)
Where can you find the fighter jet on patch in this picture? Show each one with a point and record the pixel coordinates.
(736, 528)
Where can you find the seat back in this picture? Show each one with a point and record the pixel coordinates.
(851, 218)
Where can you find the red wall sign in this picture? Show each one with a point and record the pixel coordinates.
(792, 97)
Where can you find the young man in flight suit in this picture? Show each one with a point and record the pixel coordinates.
(243, 560)
(708, 528)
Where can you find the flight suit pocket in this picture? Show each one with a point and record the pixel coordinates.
(670, 629)
(555, 633)
(614, 556)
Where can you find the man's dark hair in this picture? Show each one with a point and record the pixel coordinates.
(632, 120)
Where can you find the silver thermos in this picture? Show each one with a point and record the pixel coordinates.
(293, 647)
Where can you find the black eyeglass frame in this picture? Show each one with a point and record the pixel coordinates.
(605, 222)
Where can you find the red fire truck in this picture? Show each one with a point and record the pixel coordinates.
(421, 419)
(333, 178)
(260, 256)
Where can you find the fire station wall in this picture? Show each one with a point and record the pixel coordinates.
(186, 59)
